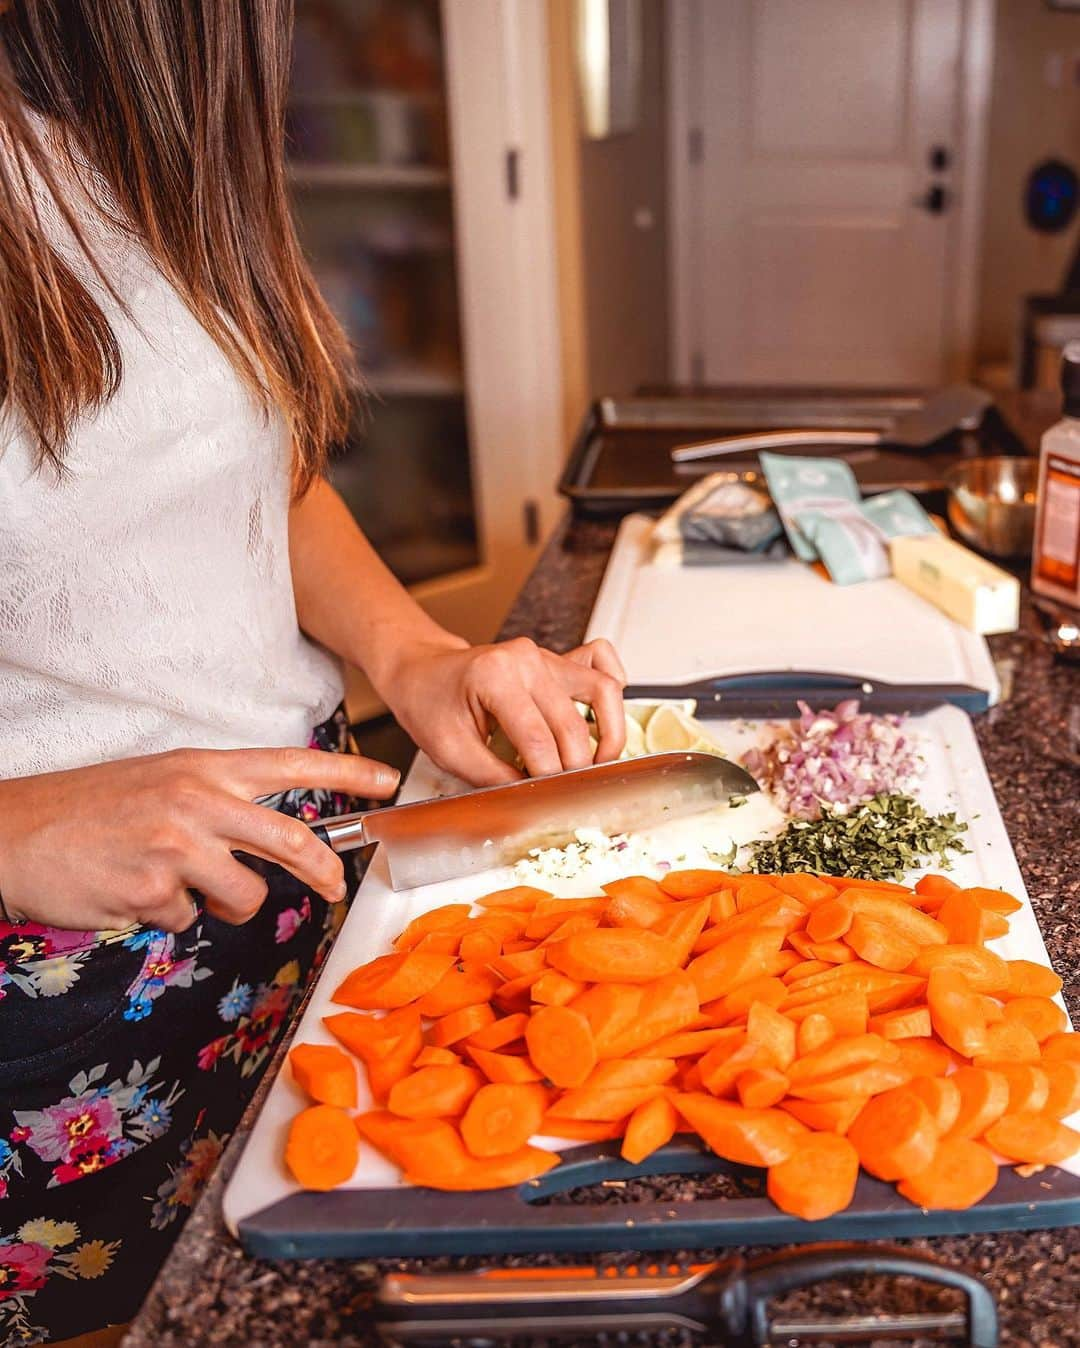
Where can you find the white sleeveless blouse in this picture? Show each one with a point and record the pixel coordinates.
(146, 597)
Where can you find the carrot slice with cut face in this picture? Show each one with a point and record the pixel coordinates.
(880, 944)
(434, 1092)
(694, 884)
(941, 1096)
(393, 980)
(634, 910)
(459, 987)
(826, 1116)
(1063, 1088)
(872, 1079)
(957, 1015)
(1028, 979)
(561, 1045)
(518, 898)
(747, 1136)
(913, 1022)
(984, 1097)
(436, 1057)
(1062, 1047)
(894, 1135)
(650, 1127)
(324, 1073)
(322, 1148)
(437, 919)
(614, 955)
(1033, 1138)
(813, 1033)
(774, 1032)
(1007, 1041)
(960, 1173)
(500, 1032)
(461, 1024)
(761, 1087)
(1029, 1085)
(843, 1055)
(1040, 1015)
(502, 1118)
(817, 1180)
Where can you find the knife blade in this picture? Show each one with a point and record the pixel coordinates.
(450, 836)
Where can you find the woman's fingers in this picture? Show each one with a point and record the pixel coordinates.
(230, 890)
(265, 772)
(604, 695)
(516, 710)
(566, 723)
(281, 839)
(602, 655)
(461, 749)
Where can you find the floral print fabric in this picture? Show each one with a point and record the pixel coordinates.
(126, 1059)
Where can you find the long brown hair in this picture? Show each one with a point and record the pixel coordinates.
(179, 105)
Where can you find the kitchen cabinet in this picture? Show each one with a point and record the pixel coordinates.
(418, 158)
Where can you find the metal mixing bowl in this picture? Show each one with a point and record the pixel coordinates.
(992, 504)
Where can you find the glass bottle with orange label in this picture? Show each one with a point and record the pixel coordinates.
(1055, 563)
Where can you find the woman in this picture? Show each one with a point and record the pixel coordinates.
(177, 584)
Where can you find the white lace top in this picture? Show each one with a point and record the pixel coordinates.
(146, 598)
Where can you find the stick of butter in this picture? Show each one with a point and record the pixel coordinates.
(958, 581)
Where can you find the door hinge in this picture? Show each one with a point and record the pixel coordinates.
(695, 144)
(697, 369)
(513, 173)
(532, 523)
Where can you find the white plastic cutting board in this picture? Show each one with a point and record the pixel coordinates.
(673, 625)
(955, 778)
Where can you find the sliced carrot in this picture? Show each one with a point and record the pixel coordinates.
(1008, 1041)
(958, 1018)
(984, 971)
(966, 920)
(479, 948)
(884, 990)
(638, 885)
(582, 1130)
(569, 926)
(434, 1092)
(518, 898)
(429, 1169)
(685, 1044)
(634, 910)
(843, 1055)
(777, 965)
(783, 912)
(1033, 1138)
(683, 927)
(846, 882)
(366, 1035)
(437, 919)
(614, 955)
(894, 1135)
(895, 911)
(1029, 1086)
(500, 1032)
(430, 1056)
(459, 1025)
(1062, 1047)
(506, 1068)
(502, 1118)
(804, 969)
(880, 944)
(620, 1072)
(984, 1097)
(393, 980)
(737, 1004)
(912, 1022)
(395, 1137)
(924, 1057)
(814, 1032)
(324, 1073)
(817, 1180)
(774, 1032)
(459, 987)
(830, 920)
(610, 1008)
(808, 889)
(721, 906)
(826, 1116)
(752, 893)
(650, 1127)
(761, 1087)
(936, 886)
(544, 922)
(848, 1012)
(1028, 979)
(604, 1105)
(666, 1006)
(510, 966)
(746, 1136)
(693, 884)
(1063, 1088)
(520, 947)
(960, 1173)
(555, 989)
(872, 1079)
(322, 1148)
(722, 1066)
(941, 1096)
(996, 900)
(734, 962)
(561, 1045)
(513, 995)
(1041, 1016)
(992, 1009)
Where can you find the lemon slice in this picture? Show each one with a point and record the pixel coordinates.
(670, 731)
(635, 740)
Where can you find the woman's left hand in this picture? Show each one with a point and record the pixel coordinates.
(448, 697)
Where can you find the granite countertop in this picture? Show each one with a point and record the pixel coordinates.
(209, 1292)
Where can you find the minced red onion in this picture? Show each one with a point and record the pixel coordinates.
(839, 758)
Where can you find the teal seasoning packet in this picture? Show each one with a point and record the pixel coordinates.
(798, 484)
(897, 514)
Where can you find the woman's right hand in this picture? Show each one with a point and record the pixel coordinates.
(103, 847)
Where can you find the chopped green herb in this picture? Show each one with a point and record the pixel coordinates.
(882, 839)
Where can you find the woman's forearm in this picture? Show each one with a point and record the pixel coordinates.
(346, 597)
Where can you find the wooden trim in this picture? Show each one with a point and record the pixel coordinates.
(683, 20)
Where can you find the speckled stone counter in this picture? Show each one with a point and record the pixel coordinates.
(209, 1292)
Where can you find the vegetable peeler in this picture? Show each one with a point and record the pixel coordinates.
(721, 1303)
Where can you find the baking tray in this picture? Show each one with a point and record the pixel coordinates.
(621, 458)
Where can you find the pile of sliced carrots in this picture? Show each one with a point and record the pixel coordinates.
(808, 1025)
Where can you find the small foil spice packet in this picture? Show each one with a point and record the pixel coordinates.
(722, 512)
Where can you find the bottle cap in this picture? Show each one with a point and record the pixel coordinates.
(1070, 379)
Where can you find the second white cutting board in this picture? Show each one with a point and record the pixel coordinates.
(676, 625)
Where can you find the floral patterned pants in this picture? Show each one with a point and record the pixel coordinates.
(126, 1059)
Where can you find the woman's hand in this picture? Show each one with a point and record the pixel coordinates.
(102, 847)
(447, 697)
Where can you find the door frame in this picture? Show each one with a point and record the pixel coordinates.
(686, 229)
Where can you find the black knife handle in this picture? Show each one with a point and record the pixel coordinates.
(744, 1301)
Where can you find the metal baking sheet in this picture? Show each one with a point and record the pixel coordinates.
(621, 459)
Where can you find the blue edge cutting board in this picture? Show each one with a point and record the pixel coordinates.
(412, 1221)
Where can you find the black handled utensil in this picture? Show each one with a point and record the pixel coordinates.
(725, 1302)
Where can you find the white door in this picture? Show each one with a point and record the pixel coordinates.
(818, 198)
